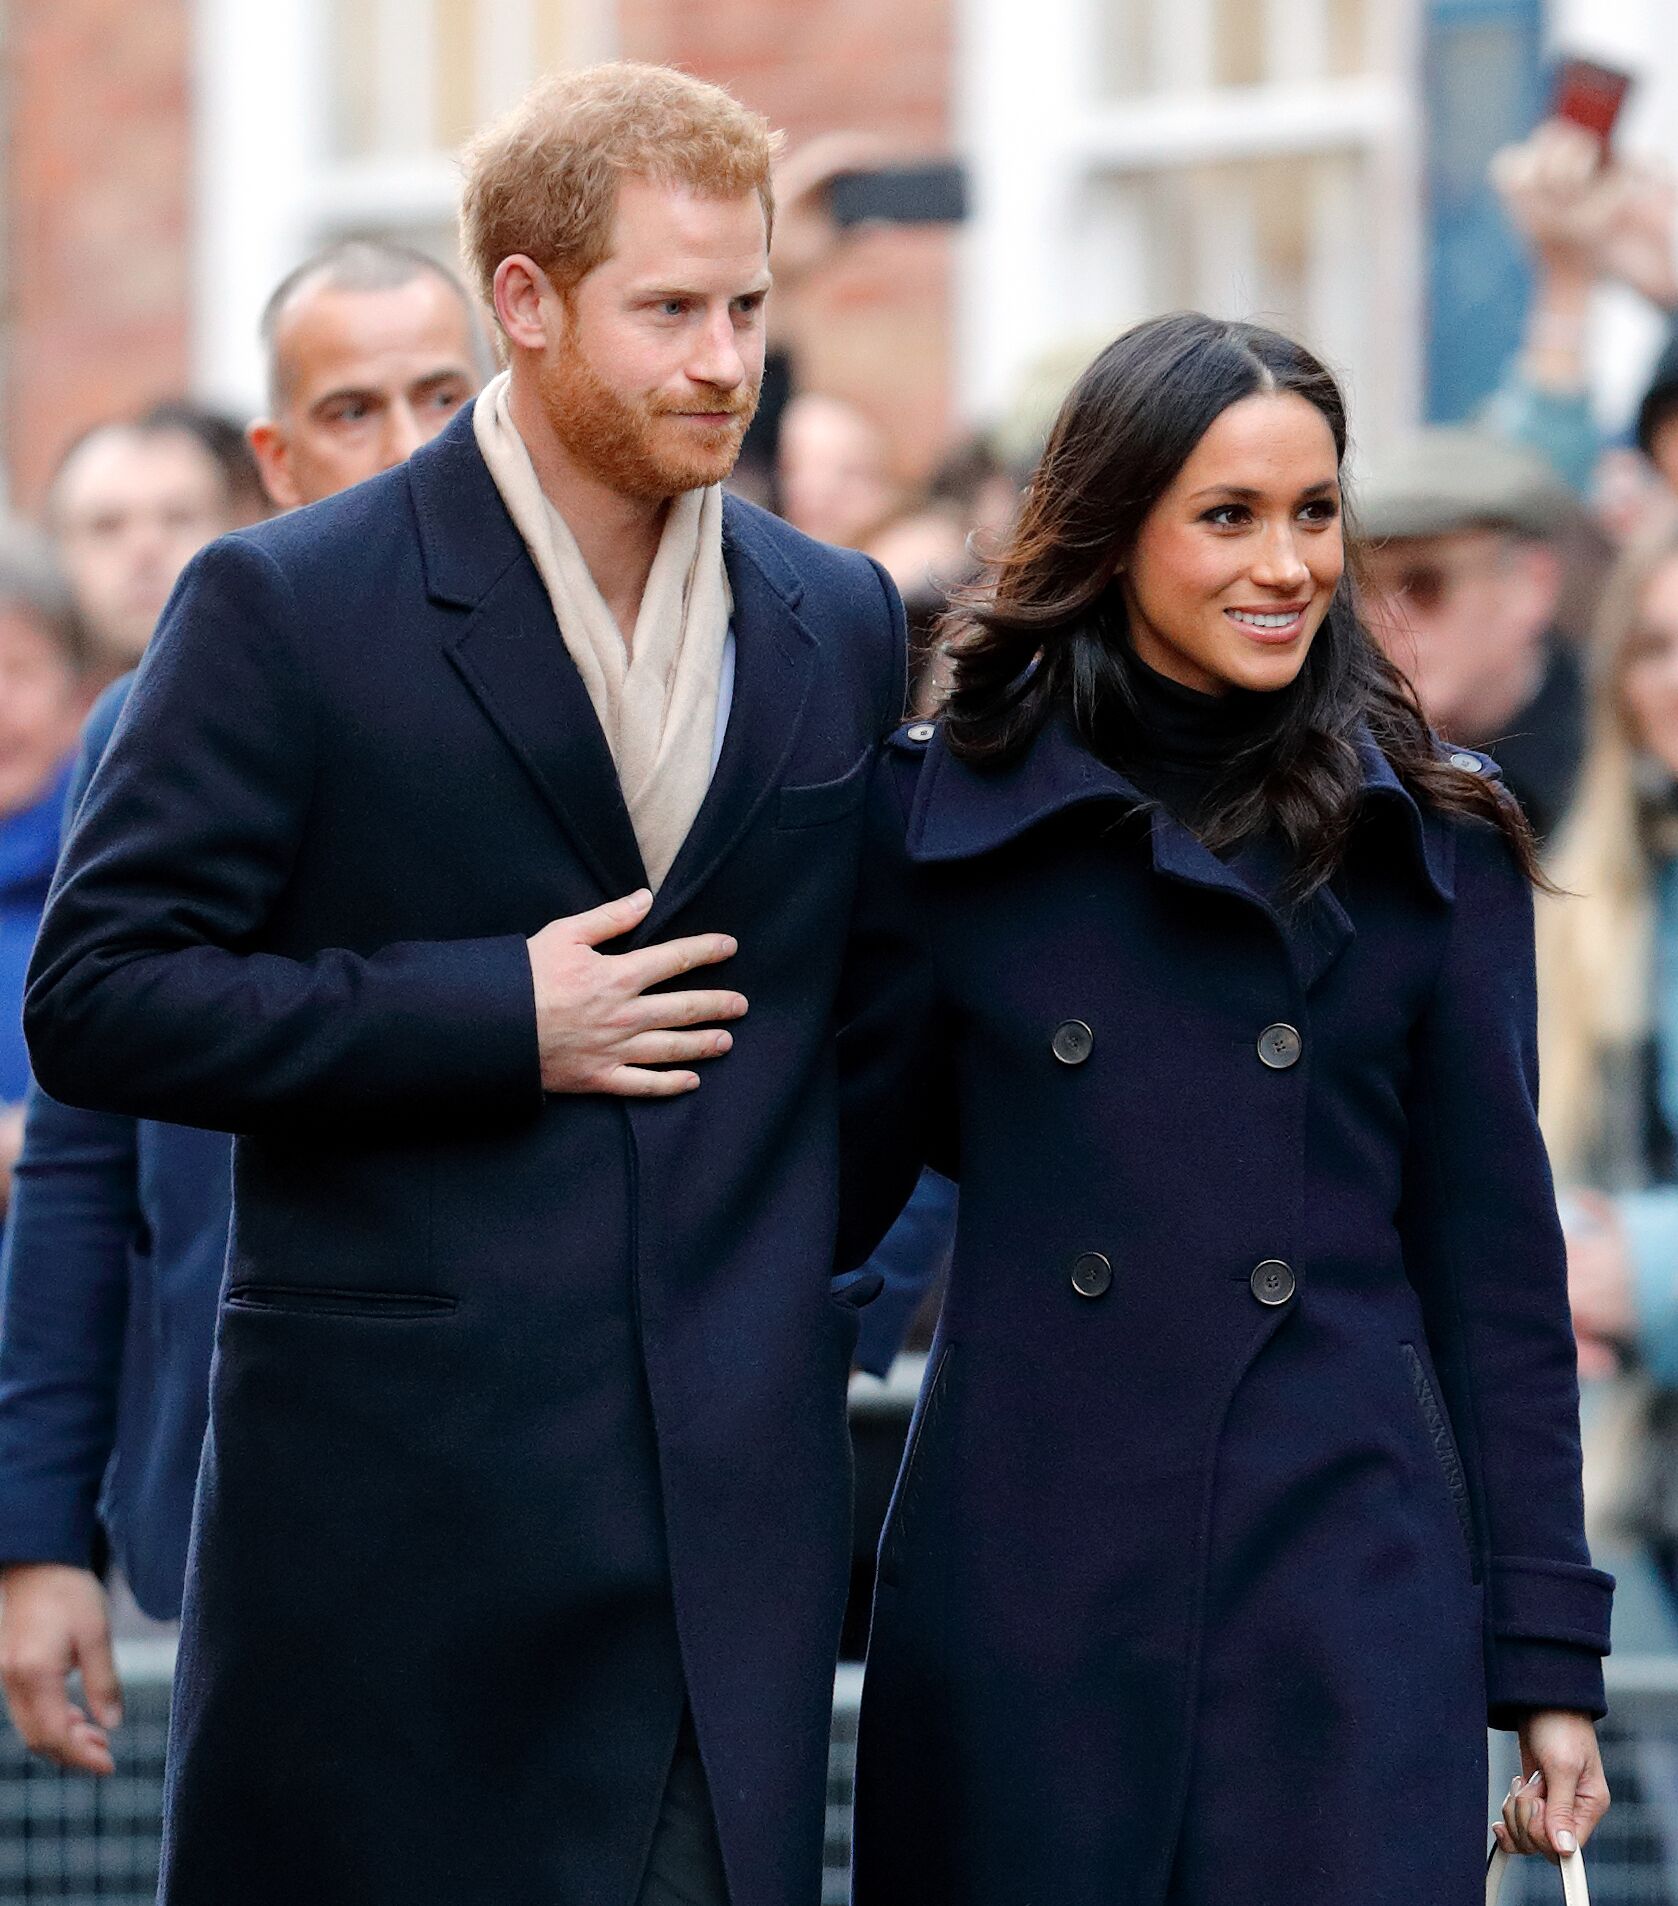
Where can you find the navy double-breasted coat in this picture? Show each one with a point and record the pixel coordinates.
(1245, 1481)
(528, 1413)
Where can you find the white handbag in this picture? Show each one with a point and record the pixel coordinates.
(1573, 1888)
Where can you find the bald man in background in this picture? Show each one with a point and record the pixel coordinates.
(113, 1257)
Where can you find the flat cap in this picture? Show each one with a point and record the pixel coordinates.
(1449, 478)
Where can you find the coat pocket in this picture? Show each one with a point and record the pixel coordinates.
(823, 801)
(1438, 1427)
(312, 1301)
(911, 1479)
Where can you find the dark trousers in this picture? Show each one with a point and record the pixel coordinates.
(684, 1867)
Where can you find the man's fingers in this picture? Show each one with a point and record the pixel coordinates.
(99, 1676)
(48, 1721)
(630, 1082)
(675, 1048)
(651, 964)
(609, 922)
(658, 1012)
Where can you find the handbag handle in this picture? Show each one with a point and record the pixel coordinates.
(1573, 1888)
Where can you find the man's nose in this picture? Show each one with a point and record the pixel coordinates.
(403, 435)
(716, 359)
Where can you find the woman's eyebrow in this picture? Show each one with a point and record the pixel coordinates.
(1245, 495)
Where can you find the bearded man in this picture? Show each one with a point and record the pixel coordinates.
(451, 827)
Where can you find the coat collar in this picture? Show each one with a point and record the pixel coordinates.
(961, 811)
(511, 657)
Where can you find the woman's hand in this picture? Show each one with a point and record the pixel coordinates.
(1553, 1807)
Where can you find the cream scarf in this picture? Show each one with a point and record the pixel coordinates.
(656, 699)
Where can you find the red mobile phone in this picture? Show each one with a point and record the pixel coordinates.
(1590, 95)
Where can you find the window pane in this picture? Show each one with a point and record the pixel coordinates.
(354, 42)
(1126, 30)
(457, 31)
(1238, 49)
(1349, 50)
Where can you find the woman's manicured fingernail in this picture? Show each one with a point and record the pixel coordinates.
(1566, 1842)
(1515, 1784)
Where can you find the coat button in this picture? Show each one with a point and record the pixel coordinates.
(1272, 1282)
(1091, 1275)
(922, 731)
(1469, 763)
(1073, 1042)
(1279, 1046)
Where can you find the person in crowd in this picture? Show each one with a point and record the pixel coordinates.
(1586, 220)
(1463, 580)
(834, 475)
(43, 660)
(372, 347)
(229, 443)
(114, 1257)
(1657, 414)
(520, 1547)
(1250, 1437)
(1608, 972)
(130, 504)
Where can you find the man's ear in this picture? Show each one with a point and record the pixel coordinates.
(521, 289)
(272, 450)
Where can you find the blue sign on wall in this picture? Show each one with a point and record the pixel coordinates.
(1482, 88)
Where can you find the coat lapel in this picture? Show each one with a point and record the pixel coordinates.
(774, 660)
(509, 653)
(961, 811)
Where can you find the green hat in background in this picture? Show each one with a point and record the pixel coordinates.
(1436, 482)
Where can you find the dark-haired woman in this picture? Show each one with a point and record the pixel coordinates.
(1244, 1487)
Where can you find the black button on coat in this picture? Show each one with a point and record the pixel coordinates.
(528, 1419)
(1191, 1597)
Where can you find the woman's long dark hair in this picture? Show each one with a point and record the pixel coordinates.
(1046, 626)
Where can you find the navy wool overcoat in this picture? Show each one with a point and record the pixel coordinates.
(1244, 1485)
(527, 1422)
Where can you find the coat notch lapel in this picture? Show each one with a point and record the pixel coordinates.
(774, 662)
(1315, 932)
(512, 657)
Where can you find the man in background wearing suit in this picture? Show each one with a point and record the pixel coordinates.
(521, 1542)
(115, 1252)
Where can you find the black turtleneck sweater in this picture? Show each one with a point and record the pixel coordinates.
(1182, 741)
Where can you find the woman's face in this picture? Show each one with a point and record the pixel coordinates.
(40, 709)
(1649, 674)
(1236, 564)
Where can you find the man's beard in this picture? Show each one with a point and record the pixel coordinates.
(624, 442)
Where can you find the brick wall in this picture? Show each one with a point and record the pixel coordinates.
(877, 327)
(98, 203)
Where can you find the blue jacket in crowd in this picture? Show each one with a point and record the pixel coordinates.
(28, 853)
(113, 1258)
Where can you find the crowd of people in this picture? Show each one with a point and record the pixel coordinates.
(1520, 567)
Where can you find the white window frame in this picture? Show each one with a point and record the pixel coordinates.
(269, 190)
(1036, 139)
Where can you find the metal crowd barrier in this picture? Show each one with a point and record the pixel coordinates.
(83, 1842)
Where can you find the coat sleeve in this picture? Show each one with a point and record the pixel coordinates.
(1484, 1247)
(895, 1101)
(73, 1223)
(150, 992)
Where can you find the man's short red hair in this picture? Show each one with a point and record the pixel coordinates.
(543, 180)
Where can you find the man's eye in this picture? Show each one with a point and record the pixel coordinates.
(448, 399)
(351, 413)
